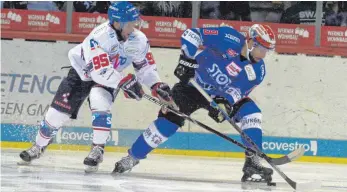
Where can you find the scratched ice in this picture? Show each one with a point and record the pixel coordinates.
(63, 172)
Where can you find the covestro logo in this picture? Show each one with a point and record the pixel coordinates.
(291, 146)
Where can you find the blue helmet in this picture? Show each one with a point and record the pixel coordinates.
(122, 12)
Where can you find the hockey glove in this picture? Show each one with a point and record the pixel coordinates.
(131, 87)
(185, 69)
(215, 114)
(163, 93)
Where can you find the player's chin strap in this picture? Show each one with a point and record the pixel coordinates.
(292, 183)
(249, 56)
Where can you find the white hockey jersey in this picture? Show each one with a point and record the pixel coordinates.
(102, 58)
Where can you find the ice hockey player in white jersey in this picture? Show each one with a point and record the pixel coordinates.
(97, 64)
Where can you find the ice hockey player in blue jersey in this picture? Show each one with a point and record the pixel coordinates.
(228, 66)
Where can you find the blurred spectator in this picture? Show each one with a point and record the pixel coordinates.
(14, 4)
(209, 10)
(166, 8)
(61, 5)
(99, 7)
(267, 11)
(42, 6)
(336, 13)
(292, 12)
(82, 6)
(234, 10)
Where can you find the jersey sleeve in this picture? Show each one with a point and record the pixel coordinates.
(220, 39)
(138, 49)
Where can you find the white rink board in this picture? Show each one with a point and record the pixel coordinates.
(157, 173)
(300, 97)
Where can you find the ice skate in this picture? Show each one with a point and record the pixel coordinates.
(125, 164)
(30, 154)
(94, 158)
(253, 171)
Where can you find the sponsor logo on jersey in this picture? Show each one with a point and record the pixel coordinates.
(103, 71)
(218, 76)
(192, 37)
(131, 50)
(234, 93)
(262, 71)
(210, 32)
(114, 48)
(232, 37)
(233, 69)
(112, 34)
(66, 97)
(232, 53)
(63, 105)
(250, 72)
(118, 60)
(131, 37)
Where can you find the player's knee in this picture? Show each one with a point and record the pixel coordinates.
(55, 118)
(249, 115)
(102, 120)
(173, 118)
(246, 107)
(53, 121)
(159, 131)
(100, 99)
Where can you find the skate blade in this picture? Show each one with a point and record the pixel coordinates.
(22, 162)
(251, 185)
(90, 169)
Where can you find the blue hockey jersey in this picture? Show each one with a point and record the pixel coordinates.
(222, 70)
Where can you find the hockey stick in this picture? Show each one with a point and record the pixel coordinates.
(277, 161)
(292, 183)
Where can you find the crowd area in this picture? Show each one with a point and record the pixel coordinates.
(290, 12)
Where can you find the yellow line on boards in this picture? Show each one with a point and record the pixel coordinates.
(23, 145)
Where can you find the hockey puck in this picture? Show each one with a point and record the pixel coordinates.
(271, 184)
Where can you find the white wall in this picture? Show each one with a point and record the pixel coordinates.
(300, 97)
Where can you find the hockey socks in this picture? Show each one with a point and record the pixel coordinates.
(255, 134)
(101, 126)
(157, 133)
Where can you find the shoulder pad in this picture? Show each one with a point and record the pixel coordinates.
(106, 38)
(136, 45)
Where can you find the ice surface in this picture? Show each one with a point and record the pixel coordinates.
(62, 171)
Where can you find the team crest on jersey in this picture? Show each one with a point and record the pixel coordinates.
(93, 44)
(233, 69)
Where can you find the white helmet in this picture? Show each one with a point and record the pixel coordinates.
(263, 35)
